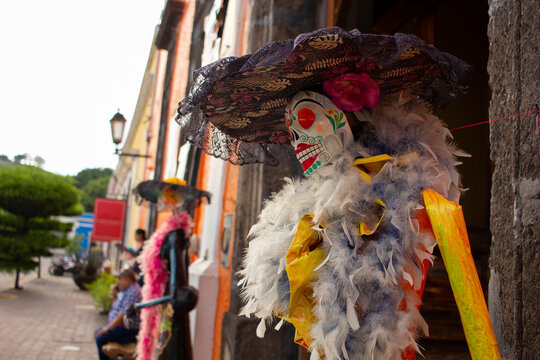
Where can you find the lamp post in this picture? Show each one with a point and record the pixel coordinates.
(118, 122)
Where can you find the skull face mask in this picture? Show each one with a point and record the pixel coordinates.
(318, 128)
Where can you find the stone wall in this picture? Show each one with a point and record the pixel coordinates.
(514, 70)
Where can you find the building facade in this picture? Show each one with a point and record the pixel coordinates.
(131, 170)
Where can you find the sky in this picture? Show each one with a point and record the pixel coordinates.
(66, 66)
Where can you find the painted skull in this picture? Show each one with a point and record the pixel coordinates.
(318, 128)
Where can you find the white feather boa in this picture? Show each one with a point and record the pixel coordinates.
(356, 270)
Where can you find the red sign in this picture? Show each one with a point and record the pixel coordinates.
(108, 220)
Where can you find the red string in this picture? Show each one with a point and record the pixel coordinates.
(506, 117)
(537, 130)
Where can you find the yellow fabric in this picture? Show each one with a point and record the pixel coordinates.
(374, 164)
(364, 229)
(448, 225)
(175, 180)
(366, 167)
(303, 256)
(370, 165)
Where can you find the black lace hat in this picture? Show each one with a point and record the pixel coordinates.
(235, 110)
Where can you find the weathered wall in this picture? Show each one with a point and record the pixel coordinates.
(514, 69)
(269, 20)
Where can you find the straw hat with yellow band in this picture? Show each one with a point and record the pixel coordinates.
(170, 193)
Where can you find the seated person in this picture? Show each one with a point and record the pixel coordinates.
(140, 238)
(115, 330)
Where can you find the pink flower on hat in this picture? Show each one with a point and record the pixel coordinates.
(352, 92)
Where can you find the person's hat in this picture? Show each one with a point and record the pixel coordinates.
(128, 273)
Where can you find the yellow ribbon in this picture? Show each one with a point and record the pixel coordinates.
(373, 164)
(448, 225)
(303, 256)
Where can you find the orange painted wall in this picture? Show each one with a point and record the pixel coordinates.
(179, 76)
(198, 218)
(229, 207)
(224, 274)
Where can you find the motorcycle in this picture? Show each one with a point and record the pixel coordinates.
(62, 264)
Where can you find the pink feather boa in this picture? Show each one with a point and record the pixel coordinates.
(155, 280)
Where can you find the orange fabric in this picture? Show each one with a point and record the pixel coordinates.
(425, 226)
(192, 258)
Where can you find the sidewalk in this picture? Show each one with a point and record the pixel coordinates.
(51, 319)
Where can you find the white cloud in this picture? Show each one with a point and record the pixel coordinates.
(65, 68)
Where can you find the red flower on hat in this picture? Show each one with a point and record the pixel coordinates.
(352, 92)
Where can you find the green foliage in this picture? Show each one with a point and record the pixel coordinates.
(95, 260)
(93, 183)
(101, 291)
(29, 197)
(74, 210)
(11, 223)
(29, 192)
(96, 188)
(73, 246)
(86, 175)
(18, 250)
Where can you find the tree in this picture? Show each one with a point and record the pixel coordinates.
(39, 161)
(23, 159)
(93, 183)
(86, 175)
(95, 188)
(29, 197)
(19, 159)
(73, 246)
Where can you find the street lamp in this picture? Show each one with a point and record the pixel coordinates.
(118, 122)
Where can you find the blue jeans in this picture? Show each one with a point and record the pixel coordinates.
(119, 335)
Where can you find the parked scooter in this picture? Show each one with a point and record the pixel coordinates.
(62, 264)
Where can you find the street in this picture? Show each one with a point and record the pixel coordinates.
(51, 319)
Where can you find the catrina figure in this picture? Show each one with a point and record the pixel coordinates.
(167, 296)
(343, 252)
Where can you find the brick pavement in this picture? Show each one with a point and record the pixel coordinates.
(51, 319)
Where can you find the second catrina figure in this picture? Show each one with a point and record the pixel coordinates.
(343, 252)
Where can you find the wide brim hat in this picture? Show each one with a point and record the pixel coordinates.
(235, 110)
(165, 192)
